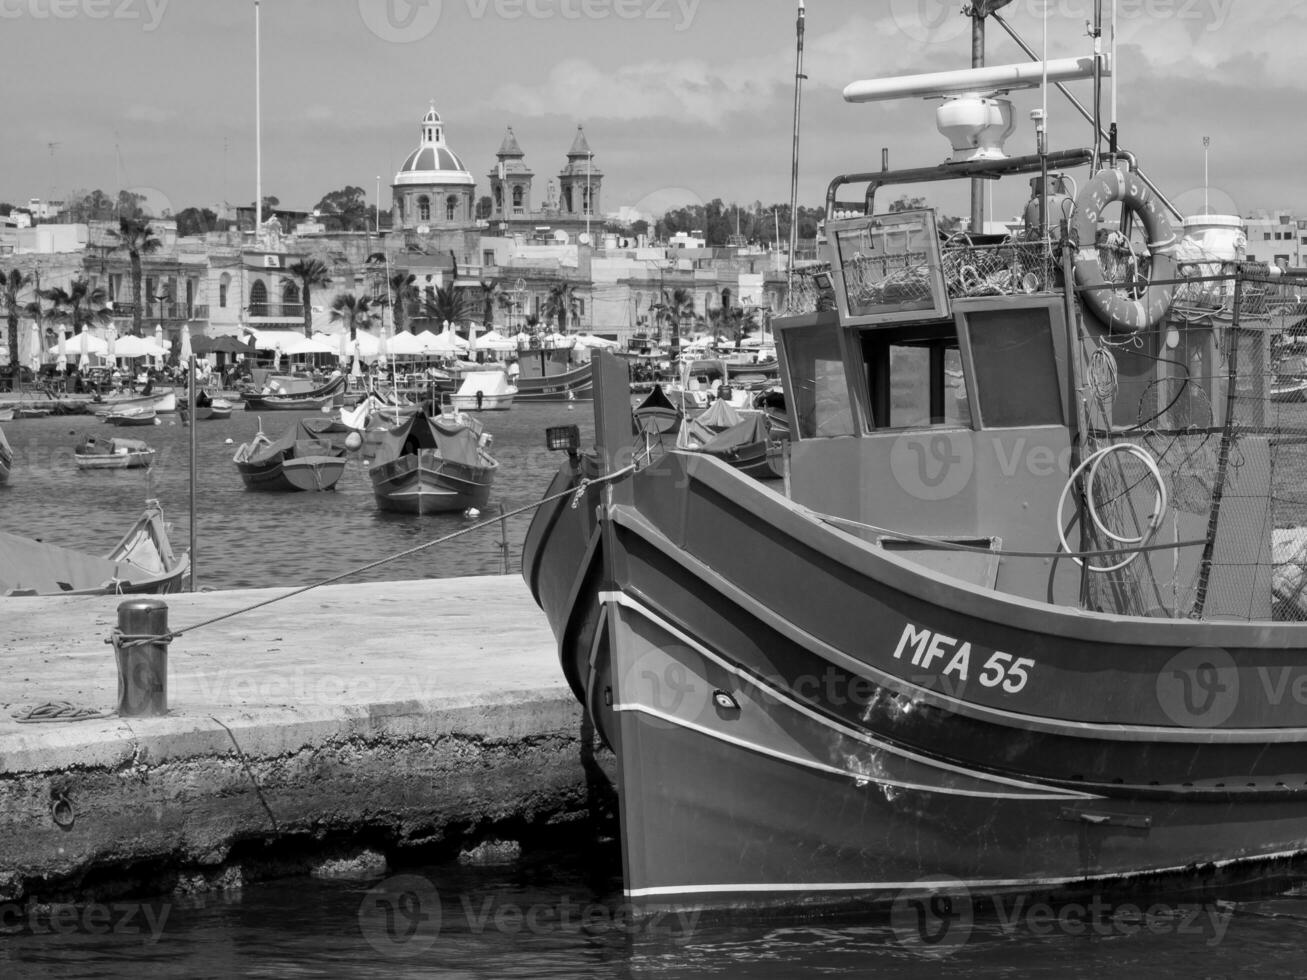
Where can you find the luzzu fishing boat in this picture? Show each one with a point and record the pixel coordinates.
(1016, 621)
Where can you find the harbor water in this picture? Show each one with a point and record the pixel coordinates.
(247, 539)
(557, 914)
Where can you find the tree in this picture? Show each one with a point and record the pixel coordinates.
(485, 207)
(447, 305)
(353, 311)
(135, 236)
(345, 210)
(13, 283)
(404, 296)
(195, 221)
(492, 295)
(79, 306)
(129, 205)
(562, 303)
(307, 274)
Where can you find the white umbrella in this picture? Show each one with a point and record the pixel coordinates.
(158, 339)
(34, 349)
(111, 342)
(62, 360)
(381, 347)
(471, 336)
(130, 346)
(407, 344)
(84, 361)
(186, 347)
(88, 343)
(307, 345)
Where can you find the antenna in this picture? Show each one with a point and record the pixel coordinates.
(50, 196)
(794, 162)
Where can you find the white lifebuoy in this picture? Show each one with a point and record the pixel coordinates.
(1123, 313)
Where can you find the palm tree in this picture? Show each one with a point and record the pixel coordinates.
(79, 305)
(676, 307)
(135, 235)
(448, 304)
(13, 283)
(352, 311)
(404, 296)
(562, 303)
(305, 274)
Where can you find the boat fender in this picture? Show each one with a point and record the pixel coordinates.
(1121, 312)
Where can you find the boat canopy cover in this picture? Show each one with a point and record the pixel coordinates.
(719, 416)
(750, 430)
(296, 442)
(655, 401)
(453, 441)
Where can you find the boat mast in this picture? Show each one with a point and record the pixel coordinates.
(258, 133)
(978, 13)
(794, 156)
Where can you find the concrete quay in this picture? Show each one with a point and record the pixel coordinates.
(391, 715)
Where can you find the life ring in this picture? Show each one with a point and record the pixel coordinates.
(1123, 313)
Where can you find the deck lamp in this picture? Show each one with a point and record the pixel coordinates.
(563, 438)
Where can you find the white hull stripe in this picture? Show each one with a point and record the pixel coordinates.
(973, 884)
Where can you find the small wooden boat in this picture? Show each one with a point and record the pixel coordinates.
(1290, 383)
(7, 413)
(112, 454)
(134, 415)
(207, 407)
(162, 400)
(743, 445)
(30, 412)
(483, 391)
(275, 400)
(656, 414)
(6, 458)
(428, 465)
(298, 460)
(143, 561)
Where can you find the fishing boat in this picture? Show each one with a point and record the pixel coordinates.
(273, 398)
(656, 414)
(483, 391)
(142, 561)
(551, 375)
(1033, 642)
(208, 408)
(112, 454)
(433, 464)
(300, 459)
(133, 415)
(6, 458)
(746, 445)
(161, 399)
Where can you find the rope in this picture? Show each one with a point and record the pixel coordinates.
(121, 641)
(58, 711)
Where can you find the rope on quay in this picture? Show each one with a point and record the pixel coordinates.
(123, 641)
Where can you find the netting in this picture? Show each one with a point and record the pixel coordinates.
(1215, 396)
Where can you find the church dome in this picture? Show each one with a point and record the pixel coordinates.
(433, 162)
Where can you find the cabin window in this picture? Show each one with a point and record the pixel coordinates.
(1016, 371)
(914, 377)
(817, 381)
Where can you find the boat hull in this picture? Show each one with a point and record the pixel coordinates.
(162, 400)
(424, 483)
(489, 403)
(132, 418)
(816, 719)
(311, 473)
(136, 459)
(330, 394)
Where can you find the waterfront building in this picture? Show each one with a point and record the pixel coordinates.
(432, 187)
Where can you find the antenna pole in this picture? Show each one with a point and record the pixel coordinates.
(258, 132)
(1096, 32)
(794, 157)
(1111, 128)
(977, 61)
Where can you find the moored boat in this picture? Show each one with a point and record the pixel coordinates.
(160, 399)
(299, 459)
(274, 399)
(1016, 641)
(112, 454)
(656, 414)
(7, 412)
(142, 561)
(483, 391)
(433, 464)
(133, 415)
(6, 458)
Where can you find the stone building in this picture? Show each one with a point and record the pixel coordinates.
(432, 188)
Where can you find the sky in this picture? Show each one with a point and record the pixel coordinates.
(681, 100)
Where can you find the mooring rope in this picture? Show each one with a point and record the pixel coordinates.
(123, 641)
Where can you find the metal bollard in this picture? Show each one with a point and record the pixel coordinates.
(142, 666)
